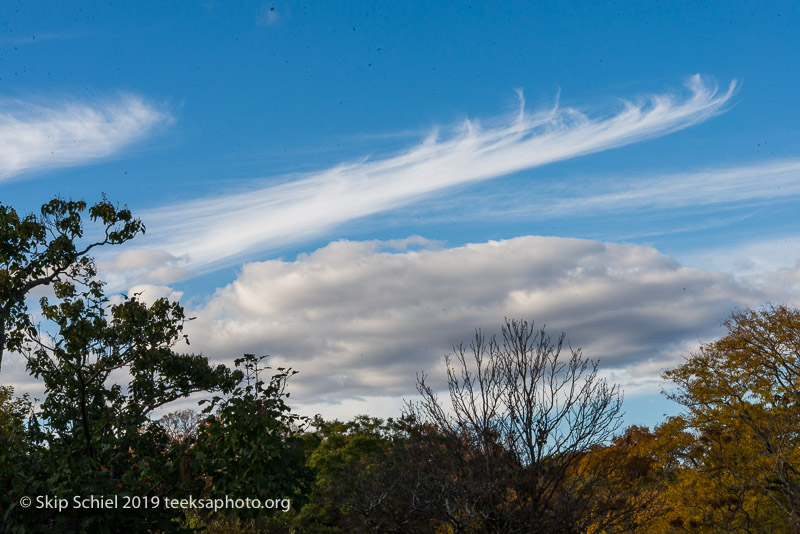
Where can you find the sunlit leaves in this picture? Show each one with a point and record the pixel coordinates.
(741, 393)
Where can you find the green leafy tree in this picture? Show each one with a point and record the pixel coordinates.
(250, 445)
(377, 476)
(95, 437)
(16, 461)
(13, 412)
(106, 369)
(50, 249)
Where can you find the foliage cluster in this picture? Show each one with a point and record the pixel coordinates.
(106, 369)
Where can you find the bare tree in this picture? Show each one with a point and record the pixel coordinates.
(181, 426)
(524, 415)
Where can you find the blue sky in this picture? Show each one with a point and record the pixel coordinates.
(353, 187)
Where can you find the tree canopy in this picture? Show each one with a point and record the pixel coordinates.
(105, 370)
(49, 248)
(741, 395)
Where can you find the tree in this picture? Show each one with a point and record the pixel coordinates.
(77, 361)
(13, 412)
(638, 470)
(377, 476)
(250, 445)
(48, 249)
(15, 457)
(181, 426)
(106, 369)
(742, 395)
(522, 418)
(90, 435)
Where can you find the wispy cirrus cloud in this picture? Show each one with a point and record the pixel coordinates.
(216, 231)
(706, 189)
(35, 136)
(743, 184)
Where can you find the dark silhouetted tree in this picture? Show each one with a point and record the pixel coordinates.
(522, 415)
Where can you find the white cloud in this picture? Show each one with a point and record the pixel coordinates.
(700, 191)
(132, 266)
(772, 264)
(35, 136)
(358, 320)
(744, 184)
(751, 258)
(215, 231)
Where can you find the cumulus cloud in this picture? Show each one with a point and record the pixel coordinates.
(140, 265)
(215, 231)
(35, 136)
(359, 319)
(772, 264)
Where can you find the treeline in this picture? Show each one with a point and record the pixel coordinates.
(527, 439)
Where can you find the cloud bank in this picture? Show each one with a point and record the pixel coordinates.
(213, 232)
(360, 319)
(35, 137)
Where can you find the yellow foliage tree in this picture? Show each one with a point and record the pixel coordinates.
(739, 473)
